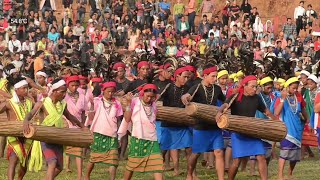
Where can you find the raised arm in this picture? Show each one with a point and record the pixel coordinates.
(3, 106)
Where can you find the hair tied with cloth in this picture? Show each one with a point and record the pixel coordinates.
(145, 87)
(241, 88)
(56, 86)
(108, 84)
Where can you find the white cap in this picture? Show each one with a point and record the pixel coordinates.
(305, 73)
(202, 41)
(311, 45)
(90, 20)
(313, 78)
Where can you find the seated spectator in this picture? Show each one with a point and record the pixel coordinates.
(183, 26)
(204, 27)
(258, 53)
(53, 35)
(171, 49)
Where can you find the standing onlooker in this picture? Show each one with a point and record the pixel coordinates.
(311, 15)
(95, 7)
(225, 13)
(164, 11)
(234, 11)
(246, 8)
(81, 9)
(191, 9)
(299, 12)
(289, 29)
(178, 11)
(207, 8)
(47, 5)
(148, 8)
(139, 7)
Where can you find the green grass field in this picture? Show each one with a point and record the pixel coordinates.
(307, 169)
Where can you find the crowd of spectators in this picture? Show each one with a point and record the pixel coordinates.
(94, 25)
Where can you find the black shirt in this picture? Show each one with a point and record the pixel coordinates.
(193, 82)
(123, 85)
(161, 85)
(205, 97)
(247, 107)
(172, 98)
(133, 85)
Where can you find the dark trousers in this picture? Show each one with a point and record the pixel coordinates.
(191, 18)
(225, 20)
(299, 24)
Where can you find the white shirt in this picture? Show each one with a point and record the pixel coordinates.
(216, 33)
(309, 13)
(183, 26)
(298, 11)
(234, 23)
(264, 44)
(29, 47)
(17, 64)
(15, 43)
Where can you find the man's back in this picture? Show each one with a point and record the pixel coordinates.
(38, 64)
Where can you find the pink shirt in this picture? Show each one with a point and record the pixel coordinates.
(142, 126)
(258, 55)
(105, 118)
(76, 107)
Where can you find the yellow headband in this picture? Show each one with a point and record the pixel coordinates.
(265, 80)
(240, 74)
(281, 81)
(232, 76)
(290, 81)
(222, 73)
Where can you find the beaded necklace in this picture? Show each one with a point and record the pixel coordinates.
(147, 109)
(209, 93)
(293, 103)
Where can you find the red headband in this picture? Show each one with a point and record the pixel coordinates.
(118, 64)
(191, 68)
(147, 86)
(97, 79)
(83, 78)
(179, 71)
(142, 63)
(244, 81)
(210, 70)
(108, 84)
(166, 66)
(71, 79)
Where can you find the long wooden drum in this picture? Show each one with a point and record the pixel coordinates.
(174, 115)
(11, 128)
(272, 130)
(64, 136)
(203, 111)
